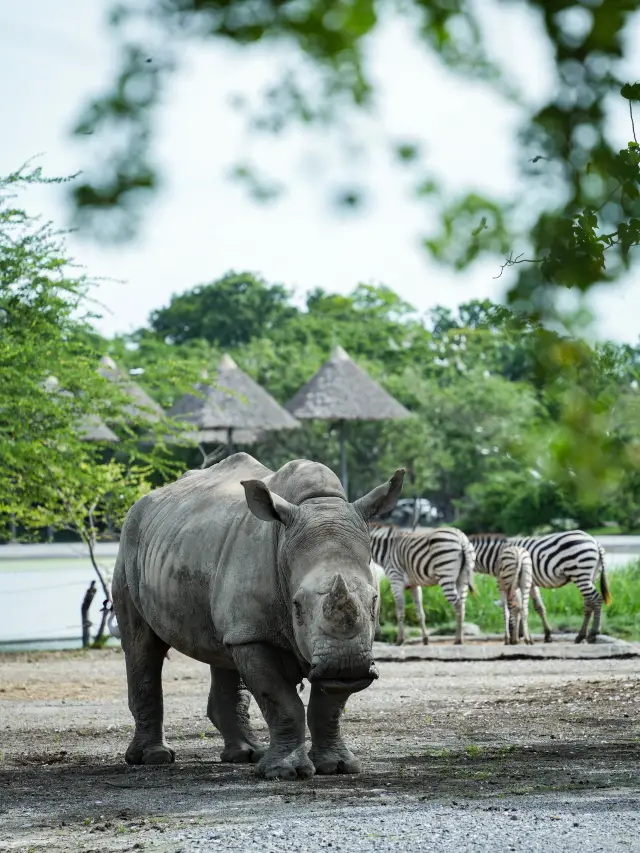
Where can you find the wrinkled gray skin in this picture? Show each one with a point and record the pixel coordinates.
(266, 577)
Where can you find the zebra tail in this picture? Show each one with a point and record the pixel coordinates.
(604, 586)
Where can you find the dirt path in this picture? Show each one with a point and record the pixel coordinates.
(466, 739)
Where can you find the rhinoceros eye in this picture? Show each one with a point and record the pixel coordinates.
(374, 601)
(297, 608)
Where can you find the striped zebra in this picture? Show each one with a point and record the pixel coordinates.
(514, 578)
(413, 559)
(557, 559)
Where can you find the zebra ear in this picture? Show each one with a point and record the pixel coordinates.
(382, 498)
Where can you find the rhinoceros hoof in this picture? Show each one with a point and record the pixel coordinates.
(242, 753)
(296, 765)
(156, 754)
(327, 763)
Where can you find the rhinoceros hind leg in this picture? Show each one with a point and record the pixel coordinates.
(329, 752)
(272, 677)
(228, 710)
(144, 654)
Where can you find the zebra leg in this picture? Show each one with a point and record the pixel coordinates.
(457, 600)
(505, 612)
(515, 608)
(592, 605)
(597, 613)
(524, 616)
(538, 605)
(398, 594)
(416, 594)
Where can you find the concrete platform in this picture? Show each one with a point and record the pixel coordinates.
(491, 647)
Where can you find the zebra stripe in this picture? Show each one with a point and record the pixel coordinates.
(557, 559)
(413, 559)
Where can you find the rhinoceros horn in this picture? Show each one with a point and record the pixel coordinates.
(340, 607)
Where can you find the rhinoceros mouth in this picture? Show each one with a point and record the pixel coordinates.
(342, 685)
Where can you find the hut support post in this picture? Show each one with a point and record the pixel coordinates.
(344, 475)
(230, 441)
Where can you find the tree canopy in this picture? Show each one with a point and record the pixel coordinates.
(61, 421)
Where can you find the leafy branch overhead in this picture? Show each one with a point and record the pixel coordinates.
(571, 170)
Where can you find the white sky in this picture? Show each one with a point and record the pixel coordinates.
(54, 56)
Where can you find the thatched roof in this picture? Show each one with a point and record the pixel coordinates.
(93, 429)
(341, 390)
(90, 428)
(142, 405)
(236, 402)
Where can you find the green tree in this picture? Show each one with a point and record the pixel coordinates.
(51, 391)
(227, 313)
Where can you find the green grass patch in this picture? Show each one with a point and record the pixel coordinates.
(564, 607)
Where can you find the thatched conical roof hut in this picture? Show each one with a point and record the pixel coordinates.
(90, 428)
(142, 405)
(235, 404)
(341, 391)
(94, 430)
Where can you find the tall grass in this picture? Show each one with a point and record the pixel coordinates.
(564, 607)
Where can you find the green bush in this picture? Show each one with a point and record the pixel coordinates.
(564, 607)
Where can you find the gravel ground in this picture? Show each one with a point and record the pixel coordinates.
(608, 824)
(522, 755)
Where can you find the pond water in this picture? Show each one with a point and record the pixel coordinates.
(40, 601)
(40, 598)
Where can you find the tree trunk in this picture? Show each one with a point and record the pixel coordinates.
(84, 611)
(98, 640)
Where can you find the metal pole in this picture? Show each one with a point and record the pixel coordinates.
(230, 441)
(344, 476)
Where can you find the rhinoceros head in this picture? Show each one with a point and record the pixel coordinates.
(324, 548)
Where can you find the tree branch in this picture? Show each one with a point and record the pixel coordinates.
(511, 262)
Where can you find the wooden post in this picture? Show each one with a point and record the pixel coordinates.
(84, 610)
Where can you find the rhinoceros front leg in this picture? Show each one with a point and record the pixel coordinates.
(328, 751)
(228, 710)
(271, 675)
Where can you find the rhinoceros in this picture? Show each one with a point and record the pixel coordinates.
(266, 577)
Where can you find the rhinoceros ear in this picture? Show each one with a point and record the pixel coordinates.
(265, 505)
(382, 498)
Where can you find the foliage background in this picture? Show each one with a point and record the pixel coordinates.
(487, 439)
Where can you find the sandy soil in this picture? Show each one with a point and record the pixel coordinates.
(449, 733)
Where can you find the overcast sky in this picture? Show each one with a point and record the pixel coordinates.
(53, 56)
